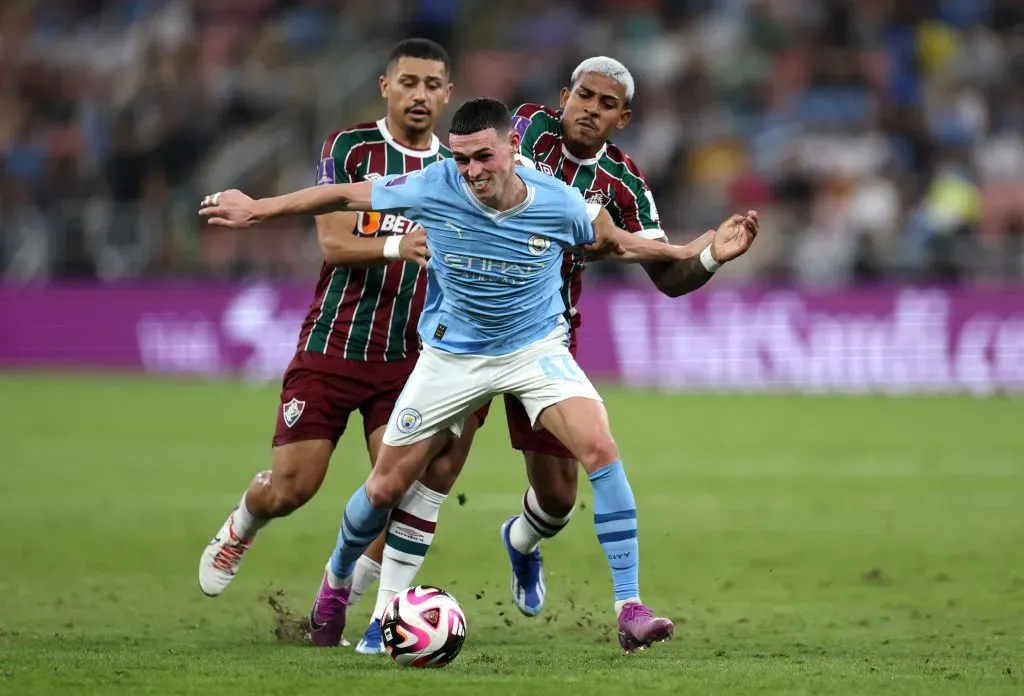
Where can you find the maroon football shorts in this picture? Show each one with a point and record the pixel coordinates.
(319, 392)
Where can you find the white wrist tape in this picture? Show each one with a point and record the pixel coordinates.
(391, 245)
(708, 260)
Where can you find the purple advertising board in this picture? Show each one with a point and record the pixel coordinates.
(898, 340)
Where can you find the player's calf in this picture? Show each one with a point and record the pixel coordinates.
(521, 535)
(366, 513)
(411, 527)
(549, 502)
(297, 471)
(582, 425)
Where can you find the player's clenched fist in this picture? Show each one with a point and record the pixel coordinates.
(413, 247)
(230, 208)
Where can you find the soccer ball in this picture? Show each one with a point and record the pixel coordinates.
(423, 627)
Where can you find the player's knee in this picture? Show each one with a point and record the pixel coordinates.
(600, 450)
(385, 490)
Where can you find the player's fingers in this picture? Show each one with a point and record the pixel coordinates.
(210, 200)
(213, 211)
(222, 222)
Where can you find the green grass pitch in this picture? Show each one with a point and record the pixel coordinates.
(804, 545)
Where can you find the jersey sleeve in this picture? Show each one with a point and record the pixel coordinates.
(531, 122)
(334, 160)
(580, 217)
(638, 211)
(402, 193)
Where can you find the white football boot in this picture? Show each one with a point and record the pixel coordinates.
(221, 558)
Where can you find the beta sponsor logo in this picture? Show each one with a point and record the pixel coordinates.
(373, 223)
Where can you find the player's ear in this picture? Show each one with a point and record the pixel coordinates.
(448, 92)
(563, 97)
(383, 82)
(624, 118)
(514, 140)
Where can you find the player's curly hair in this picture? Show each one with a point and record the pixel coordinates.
(480, 114)
(419, 48)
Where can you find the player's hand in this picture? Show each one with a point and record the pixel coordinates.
(232, 209)
(413, 247)
(734, 236)
(604, 248)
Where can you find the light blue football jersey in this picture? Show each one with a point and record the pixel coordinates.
(493, 279)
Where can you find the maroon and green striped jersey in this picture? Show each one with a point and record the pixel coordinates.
(370, 313)
(610, 179)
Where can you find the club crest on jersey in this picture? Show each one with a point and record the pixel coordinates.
(408, 420)
(325, 172)
(538, 245)
(292, 411)
(372, 222)
(597, 197)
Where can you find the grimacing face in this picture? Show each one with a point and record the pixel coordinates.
(417, 90)
(486, 160)
(593, 109)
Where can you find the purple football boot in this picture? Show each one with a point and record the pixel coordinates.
(639, 627)
(327, 617)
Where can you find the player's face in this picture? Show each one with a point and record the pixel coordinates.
(417, 91)
(486, 160)
(593, 109)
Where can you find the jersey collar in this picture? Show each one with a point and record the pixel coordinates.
(435, 144)
(584, 162)
(499, 215)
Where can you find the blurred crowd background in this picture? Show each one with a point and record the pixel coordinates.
(880, 139)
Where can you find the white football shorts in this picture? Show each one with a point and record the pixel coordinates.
(444, 388)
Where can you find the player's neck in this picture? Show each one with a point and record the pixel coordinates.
(515, 194)
(582, 152)
(413, 140)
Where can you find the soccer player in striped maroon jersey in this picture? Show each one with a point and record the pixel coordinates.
(358, 343)
(573, 144)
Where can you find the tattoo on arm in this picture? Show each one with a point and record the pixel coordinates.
(678, 278)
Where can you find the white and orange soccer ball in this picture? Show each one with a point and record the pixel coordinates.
(423, 627)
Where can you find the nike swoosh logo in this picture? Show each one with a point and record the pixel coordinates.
(313, 625)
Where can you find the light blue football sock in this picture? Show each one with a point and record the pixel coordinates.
(360, 525)
(615, 523)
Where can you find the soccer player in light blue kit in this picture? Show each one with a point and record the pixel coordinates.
(492, 324)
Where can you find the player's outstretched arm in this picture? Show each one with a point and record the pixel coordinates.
(706, 253)
(236, 210)
(612, 242)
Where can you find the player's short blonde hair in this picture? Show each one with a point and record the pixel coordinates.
(609, 67)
